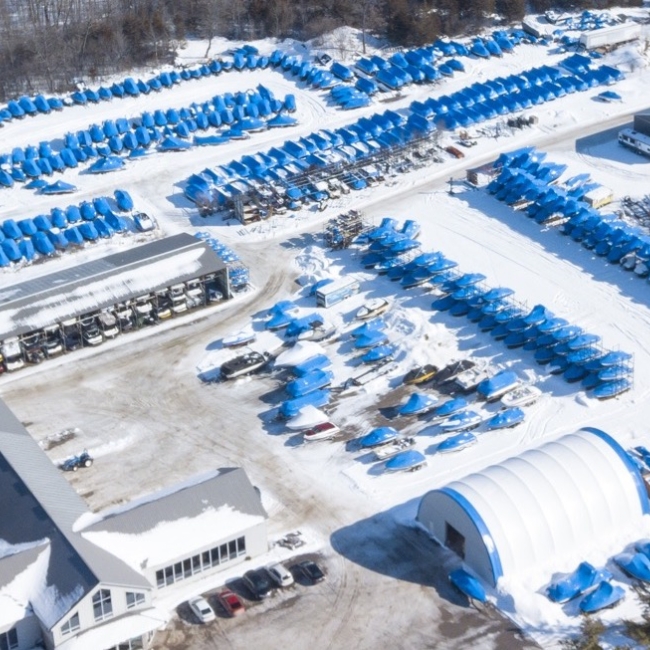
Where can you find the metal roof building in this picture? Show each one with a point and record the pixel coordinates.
(225, 486)
(540, 511)
(35, 304)
(62, 587)
(207, 512)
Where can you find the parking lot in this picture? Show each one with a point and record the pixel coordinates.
(392, 603)
(150, 422)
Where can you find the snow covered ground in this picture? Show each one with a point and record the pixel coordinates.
(144, 414)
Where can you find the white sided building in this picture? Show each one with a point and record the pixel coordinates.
(542, 511)
(74, 580)
(638, 137)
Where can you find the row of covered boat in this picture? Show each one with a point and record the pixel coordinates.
(453, 416)
(246, 57)
(396, 451)
(388, 131)
(593, 587)
(567, 349)
(60, 229)
(238, 113)
(530, 183)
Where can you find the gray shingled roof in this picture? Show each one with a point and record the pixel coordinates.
(229, 486)
(71, 292)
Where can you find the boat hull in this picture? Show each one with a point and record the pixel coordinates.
(522, 396)
(405, 461)
(461, 422)
(372, 310)
(239, 340)
(456, 443)
(388, 451)
(244, 365)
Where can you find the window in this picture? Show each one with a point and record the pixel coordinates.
(102, 605)
(9, 640)
(198, 563)
(72, 625)
(133, 599)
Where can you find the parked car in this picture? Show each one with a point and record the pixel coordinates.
(310, 570)
(259, 583)
(280, 575)
(201, 609)
(231, 602)
(84, 459)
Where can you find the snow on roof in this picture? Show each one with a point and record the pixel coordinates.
(544, 509)
(7, 550)
(26, 587)
(43, 301)
(178, 521)
(170, 540)
(90, 518)
(116, 631)
(599, 193)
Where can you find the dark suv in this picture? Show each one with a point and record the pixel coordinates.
(310, 570)
(258, 582)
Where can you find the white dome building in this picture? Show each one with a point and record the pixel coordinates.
(558, 499)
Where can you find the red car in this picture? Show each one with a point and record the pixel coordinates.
(230, 602)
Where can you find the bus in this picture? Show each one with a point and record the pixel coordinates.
(336, 291)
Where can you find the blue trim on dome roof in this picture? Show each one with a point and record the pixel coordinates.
(631, 467)
(486, 536)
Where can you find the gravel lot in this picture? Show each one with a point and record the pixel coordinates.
(140, 406)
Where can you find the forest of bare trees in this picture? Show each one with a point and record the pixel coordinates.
(46, 44)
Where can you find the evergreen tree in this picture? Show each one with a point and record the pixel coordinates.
(591, 630)
(640, 631)
(511, 10)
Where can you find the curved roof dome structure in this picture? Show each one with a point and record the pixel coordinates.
(530, 510)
